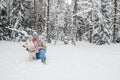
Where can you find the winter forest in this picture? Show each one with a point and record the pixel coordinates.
(81, 40)
(95, 21)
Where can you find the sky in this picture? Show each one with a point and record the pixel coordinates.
(68, 1)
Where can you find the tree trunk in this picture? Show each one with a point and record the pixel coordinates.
(91, 23)
(74, 22)
(48, 20)
(91, 27)
(45, 18)
(35, 26)
(115, 15)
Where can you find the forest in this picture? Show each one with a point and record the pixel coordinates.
(95, 21)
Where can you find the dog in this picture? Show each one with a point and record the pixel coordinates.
(29, 45)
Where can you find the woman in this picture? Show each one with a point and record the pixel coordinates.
(36, 45)
(40, 47)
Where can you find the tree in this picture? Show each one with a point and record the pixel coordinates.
(28, 22)
(118, 23)
(74, 27)
(45, 18)
(102, 33)
(48, 11)
(17, 18)
(35, 15)
(57, 14)
(4, 31)
(115, 15)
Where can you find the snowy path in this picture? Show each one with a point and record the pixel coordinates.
(64, 62)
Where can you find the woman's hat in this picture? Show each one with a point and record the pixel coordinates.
(35, 34)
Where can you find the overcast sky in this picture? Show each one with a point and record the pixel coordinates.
(68, 1)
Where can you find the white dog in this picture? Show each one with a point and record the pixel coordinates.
(29, 45)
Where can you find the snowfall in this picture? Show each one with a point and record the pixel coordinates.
(84, 61)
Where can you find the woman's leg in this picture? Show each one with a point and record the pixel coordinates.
(38, 55)
(42, 54)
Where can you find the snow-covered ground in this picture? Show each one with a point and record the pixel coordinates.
(64, 62)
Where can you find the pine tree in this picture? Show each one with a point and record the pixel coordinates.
(17, 16)
(28, 22)
(104, 31)
(66, 37)
(40, 16)
(57, 14)
(4, 31)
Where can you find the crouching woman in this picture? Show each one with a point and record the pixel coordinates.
(42, 50)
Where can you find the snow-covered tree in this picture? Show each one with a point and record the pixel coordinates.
(57, 14)
(94, 23)
(106, 21)
(68, 23)
(4, 31)
(17, 19)
(40, 16)
(118, 22)
(28, 22)
(115, 21)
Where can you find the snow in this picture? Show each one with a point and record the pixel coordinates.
(64, 62)
(2, 4)
(20, 31)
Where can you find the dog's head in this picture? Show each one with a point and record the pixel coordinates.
(30, 38)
